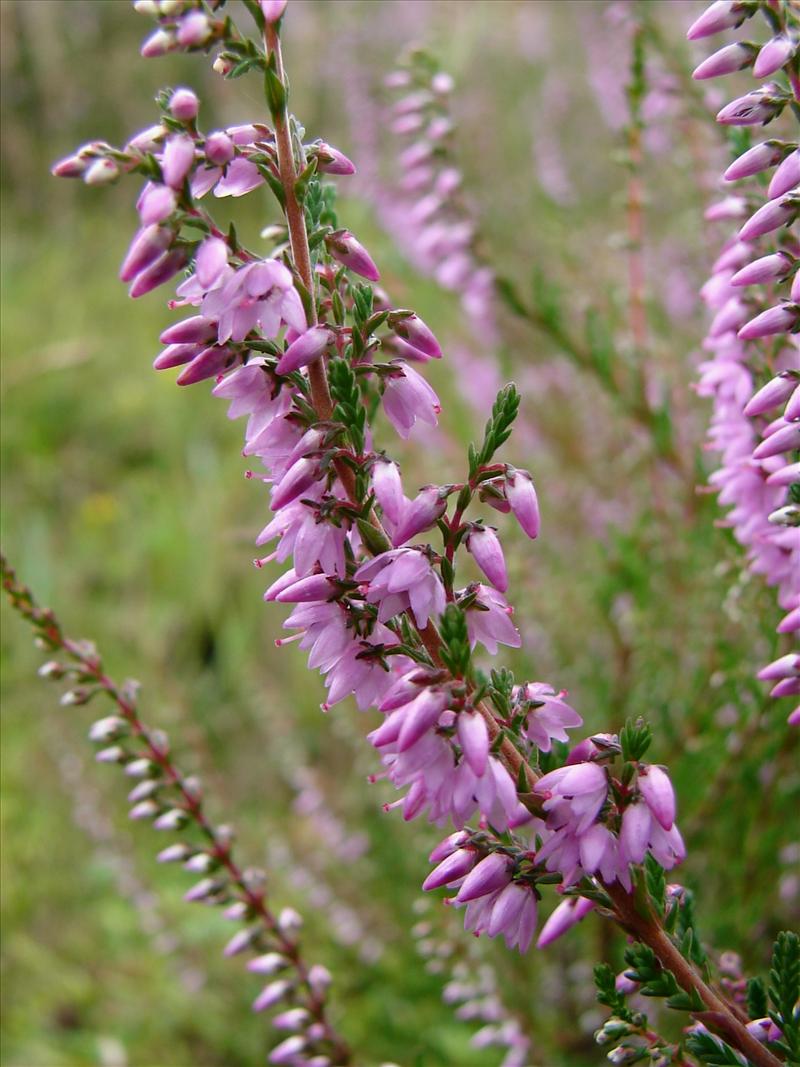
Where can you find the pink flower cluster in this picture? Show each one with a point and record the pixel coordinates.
(379, 613)
(594, 827)
(753, 374)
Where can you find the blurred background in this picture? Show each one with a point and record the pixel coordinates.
(125, 507)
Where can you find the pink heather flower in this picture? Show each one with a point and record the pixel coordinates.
(770, 268)
(158, 44)
(308, 347)
(787, 475)
(732, 207)
(211, 261)
(731, 58)
(271, 994)
(195, 330)
(491, 874)
(388, 489)
(786, 177)
(272, 10)
(484, 544)
(448, 846)
(294, 483)
(413, 330)
(784, 439)
(584, 787)
(241, 177)
(209, 363)
(781, 319)
(754, 109)
(764, 1030)
(259, 294)
(521, 495)
(513, 915)
(156, 203)
(489, 621)
(219, 148)
(146, 247)
(549, 718)
(419, 717)
(774, 55)
(101, 172)
(331, 161)
(786, 667)
(407, 398)
(184, 105)
(656, 789)
(451, 869)
(164, 268)
(721, 15)
(177, 160)
(770, 216)
(420, 514)
(176, 355)
(473, 736)
(775, 392)
(344, 248)
(194, 29)
(635, 832)
(306, 590)
(306, 539)
(290, 1050)
(400, 579)
(568, 914)
(755, 159)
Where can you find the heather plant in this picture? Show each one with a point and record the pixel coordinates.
(381, 579)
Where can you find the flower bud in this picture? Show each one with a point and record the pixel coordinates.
(786, 177)
(177, 160)
(775, 392)
(451, 869)
(754, 109)
(483, 543)
(158, 44)
(521, 496)
(174, 819)
(473, 736)
(158, 273)
(174, 853)
(271, 994)
(149, 244)
(755, 159)
(721, 15)
(771, 216)
(343, 246)
(269, 963)
(184, 105)
(331, 161)
(784, 439)
(413, 330)
(145, 809)
(658, 794)
(770, 268)
(781, 319)
(308, 347)
(774, 55)
(272, 10)
(101, 172)
(727, 60)
(219, 149)
(194, 29)
(114, 754)
(108, 729)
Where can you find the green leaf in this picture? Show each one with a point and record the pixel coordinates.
(756, 998)
(274, 90)
(784, 988)
(635, 738)
(713, 1051)
(455, 641)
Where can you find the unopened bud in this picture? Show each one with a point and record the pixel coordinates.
(289, 921)
(141, 768)
(174, 853)
(147, 809)
(52, 669)
(108, 729)
(201, 863)
(113, 754)
(174, 819)
(75, 697)
(143, 790)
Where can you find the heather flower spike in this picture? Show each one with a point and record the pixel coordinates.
(310, 356)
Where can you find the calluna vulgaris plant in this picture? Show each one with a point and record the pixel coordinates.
(306, 346)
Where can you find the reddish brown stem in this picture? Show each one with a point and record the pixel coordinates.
(720, 1016)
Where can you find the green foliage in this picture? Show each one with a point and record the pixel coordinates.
(347, 397)
(656, 881)
(756, 998)
(455, 650)
(657, 981)
(635, 738)
(713, 1051)
(497, 429)
(784, 990)
(604, 980)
